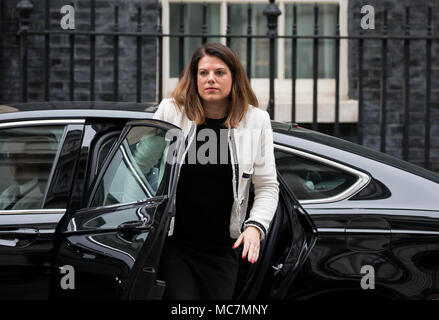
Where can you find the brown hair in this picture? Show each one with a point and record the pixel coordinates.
(241, 95)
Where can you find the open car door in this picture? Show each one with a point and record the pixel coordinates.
(283, 252)
(110, 248)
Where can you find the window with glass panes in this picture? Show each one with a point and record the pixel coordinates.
(193, 20)
(217, 18)
(238, 19)
(305, 26)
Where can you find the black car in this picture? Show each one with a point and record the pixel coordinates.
(350, 222)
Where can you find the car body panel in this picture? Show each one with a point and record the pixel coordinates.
(26, 243)
(396, 235)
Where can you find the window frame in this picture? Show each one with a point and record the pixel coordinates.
(362, 178)
(125, 157)
(39, 123)
(304, 87)
(119, 145)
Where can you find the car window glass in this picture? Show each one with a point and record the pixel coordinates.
(136, 170)
(103, 152)
(26, 159)
(355, 148)
(310, 179)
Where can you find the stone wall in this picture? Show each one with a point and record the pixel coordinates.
(395, 73)
(60, 52)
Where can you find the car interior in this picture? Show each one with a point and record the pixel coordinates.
(23, 150)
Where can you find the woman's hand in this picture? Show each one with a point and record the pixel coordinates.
(251, 237)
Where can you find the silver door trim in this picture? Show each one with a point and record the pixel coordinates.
(330, 230)
(362, 181)
(418, 232)
(379, 231)
(40, 122)
(32, 211)
(353, 230)
(372, 231)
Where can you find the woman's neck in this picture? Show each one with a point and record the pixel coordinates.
(215, 110)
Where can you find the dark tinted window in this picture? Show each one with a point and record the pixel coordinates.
(356, 149)
(26, 159)
(103, 152)
(310, 179)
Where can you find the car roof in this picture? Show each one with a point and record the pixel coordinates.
(76, 109)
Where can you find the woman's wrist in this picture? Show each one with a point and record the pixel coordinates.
(256, 228)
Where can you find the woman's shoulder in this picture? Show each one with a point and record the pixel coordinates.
(166, 108)
(255, 116)
(168, 103)
(256, 111)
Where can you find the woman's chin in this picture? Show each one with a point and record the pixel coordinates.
(212, 98)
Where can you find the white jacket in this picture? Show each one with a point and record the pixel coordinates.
(252, 156)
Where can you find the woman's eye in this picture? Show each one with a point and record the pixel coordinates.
(220, 73)
(203, 73)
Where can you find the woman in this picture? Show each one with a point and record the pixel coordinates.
(214, 100)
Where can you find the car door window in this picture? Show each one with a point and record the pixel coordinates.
(27, 155)
(136, 170)
(104, 151)
(310, 179)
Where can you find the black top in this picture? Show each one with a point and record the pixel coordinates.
(205, 189)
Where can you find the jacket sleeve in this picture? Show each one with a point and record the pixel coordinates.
(265, 181)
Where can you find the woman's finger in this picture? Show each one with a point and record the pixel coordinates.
(238, 242)
(254, 251)
(246, 247)
(256, 255)
(252, 255)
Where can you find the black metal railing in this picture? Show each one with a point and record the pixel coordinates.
(24, 9)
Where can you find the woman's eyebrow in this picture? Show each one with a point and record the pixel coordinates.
(220, 68)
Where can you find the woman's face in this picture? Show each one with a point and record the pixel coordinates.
(214, 79)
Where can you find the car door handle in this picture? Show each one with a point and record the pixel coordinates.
(19, 237)
(130, 229)
(132, 225)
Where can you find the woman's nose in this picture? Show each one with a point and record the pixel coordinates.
(211, 77)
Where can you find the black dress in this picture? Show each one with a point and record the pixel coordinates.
(198, 261)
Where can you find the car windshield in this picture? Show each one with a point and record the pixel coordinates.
(348, 146)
